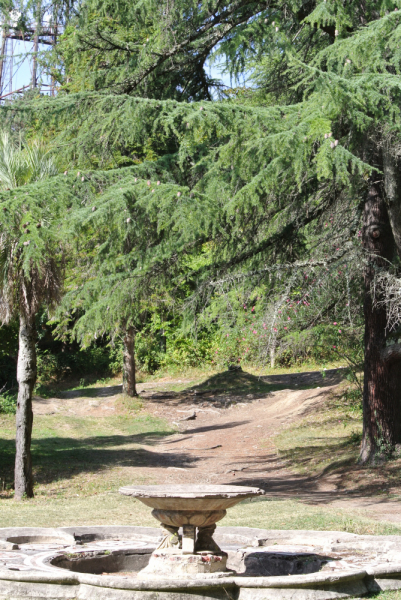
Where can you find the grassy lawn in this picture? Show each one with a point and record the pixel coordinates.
(252, 381)
(326, 442)
(233, 382)
(83, 456)
(81, 461)
(77, 456)
(200, 373)
(110, 508)
(326, 439)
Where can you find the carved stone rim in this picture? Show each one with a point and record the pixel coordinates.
(190, 491)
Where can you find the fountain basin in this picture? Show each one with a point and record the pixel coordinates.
(192, 507)
(250, 562)
(272, 565)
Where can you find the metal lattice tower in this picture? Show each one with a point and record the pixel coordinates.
(34, 33)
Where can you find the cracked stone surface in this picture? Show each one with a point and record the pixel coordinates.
(269, 565)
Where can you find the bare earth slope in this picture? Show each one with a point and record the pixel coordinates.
(227, 436)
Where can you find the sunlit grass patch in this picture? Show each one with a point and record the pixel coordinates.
(266, 513)
(321, 442)
(327, 438)
(394, 595)
(110, 508)
(75, 455)
(326, 442)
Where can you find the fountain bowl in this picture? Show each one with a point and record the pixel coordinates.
(191, 497)
(195, 508)
(196, 505)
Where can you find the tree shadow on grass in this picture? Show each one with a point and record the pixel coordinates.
(236, 383)
(63, 457)
(241, 383)
(341, 454)
(98, 392)
(308, 379)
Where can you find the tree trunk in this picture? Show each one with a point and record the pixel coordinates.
(3, 59)
(34, 82)
(392, 185)
(272, 357)
(129, 383)
(163, 341)
(26, 377)
(380, 400)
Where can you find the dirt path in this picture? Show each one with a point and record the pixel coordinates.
(226, 436)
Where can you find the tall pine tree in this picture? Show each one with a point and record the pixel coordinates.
(255, 174)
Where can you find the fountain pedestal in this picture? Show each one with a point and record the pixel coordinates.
(195, 509)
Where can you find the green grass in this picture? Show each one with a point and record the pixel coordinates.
(321, 442)
(83, 455)
(200, 378)
(328, 438)
(268, 513)
(110, 508)
(198, 373)
(54, 389)
(327, 442)
(80, 462)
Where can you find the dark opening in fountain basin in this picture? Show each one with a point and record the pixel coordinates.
(246, 562)
(34, 542)
(104, 561)
(267, 563)
(40, 539)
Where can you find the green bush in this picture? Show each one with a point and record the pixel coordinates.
(148, 351)
(188, 352)
(323, 343)
(102, 361)
(164, 347)
(8, 403)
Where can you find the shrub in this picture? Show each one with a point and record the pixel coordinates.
(104, 361)
(8, 403)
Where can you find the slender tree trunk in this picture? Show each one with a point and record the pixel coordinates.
(26, 377)
(380, 402)
(3, 60)
(38, 23)
(272, 357)
(129, 383)
(163, 341)
(34, 81)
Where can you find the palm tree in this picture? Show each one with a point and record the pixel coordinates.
(30, 273)
(23, 163)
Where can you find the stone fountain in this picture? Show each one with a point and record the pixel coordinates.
(196, 509)
(192, 561)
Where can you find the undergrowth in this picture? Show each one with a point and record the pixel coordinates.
(8, 403)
